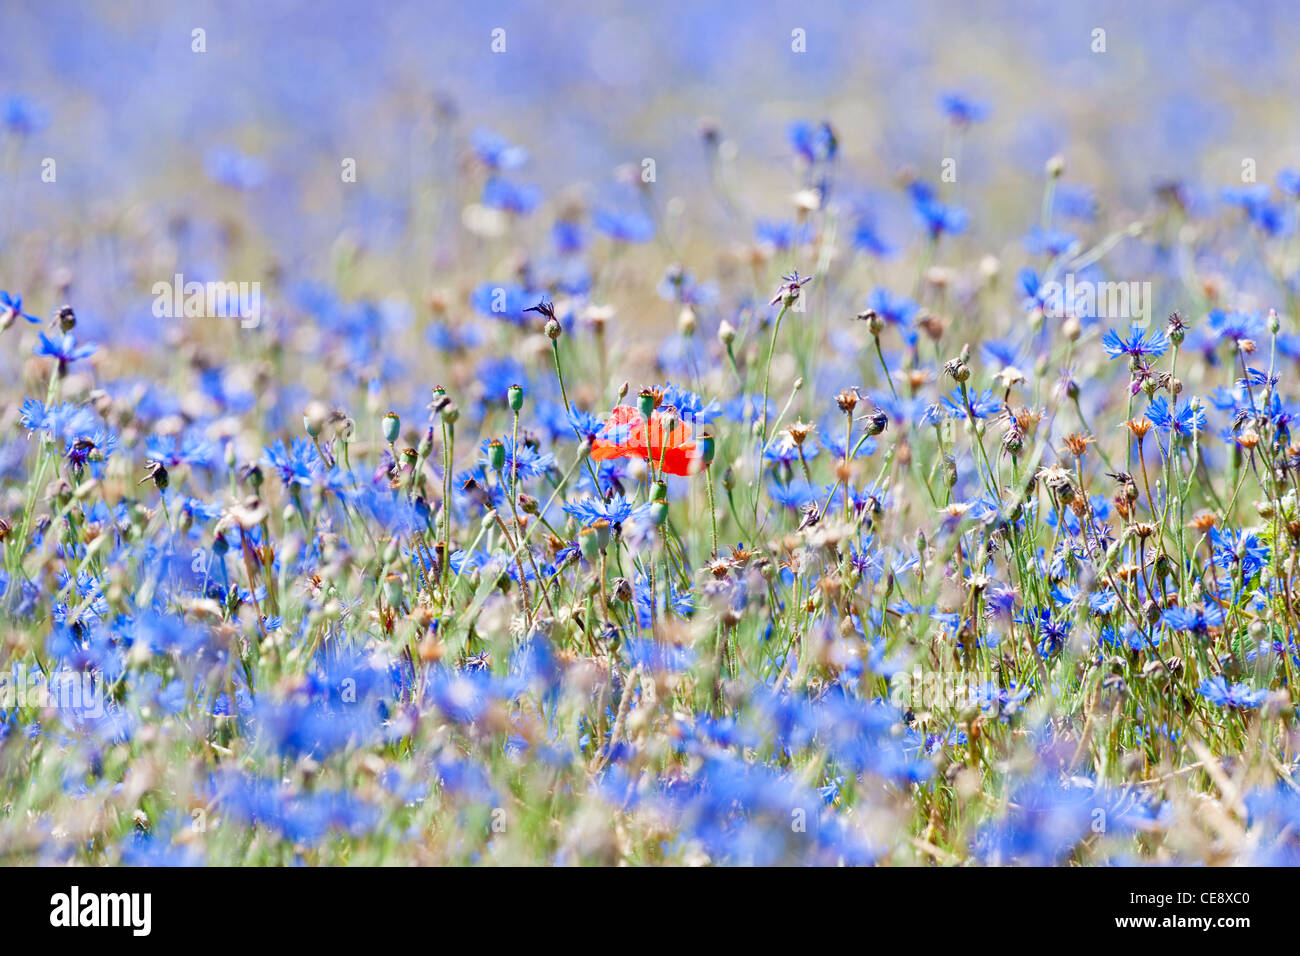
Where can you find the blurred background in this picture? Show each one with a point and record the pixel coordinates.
(168, 158)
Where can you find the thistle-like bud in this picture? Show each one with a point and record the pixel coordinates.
(958, 370)
(875, 324)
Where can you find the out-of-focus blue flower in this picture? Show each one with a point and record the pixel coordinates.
(65, 350)
(495, 151)
(517, 198)
(22, 116)
(623, 226)
(1240, 696)
(234, 169)
(961, 110)
(937, 217)
(11, 309)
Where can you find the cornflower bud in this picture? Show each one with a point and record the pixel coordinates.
(958, 370)
(875, 324)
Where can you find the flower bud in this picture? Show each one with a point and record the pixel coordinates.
(314, 418)
(392, 426)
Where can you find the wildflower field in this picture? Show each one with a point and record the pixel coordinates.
(541, 435)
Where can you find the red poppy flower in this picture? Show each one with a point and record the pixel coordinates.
(626, 434)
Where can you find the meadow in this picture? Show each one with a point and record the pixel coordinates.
(753, 500)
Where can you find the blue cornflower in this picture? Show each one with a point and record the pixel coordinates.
(496, 375)
(524, 459)
(186, 449)
(586, 424)
(1233, 548)
(568, 237)
(1188, 420)
(517, 198)
(1239, 696)
(623, 226)
(867, 238)
(1052, 633)
(961, 110)
(748, 409)
(297, 464)
(1256, 201)
(616, 510)
(894, 309)
(11, 309)
(782, 235)
(1075, 202)
(796, 494)
(1288, 181)
(65, 421)
(1137, 345)
(690, 406)
(66, 350)
(1051, 242)
(812, 143)
(22, 116)
(937, 217)
(503, 300)
(1235, 325)
(495, 151)
(1127, 637)
(983, 404)
(1194, 620)
(679, 600)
